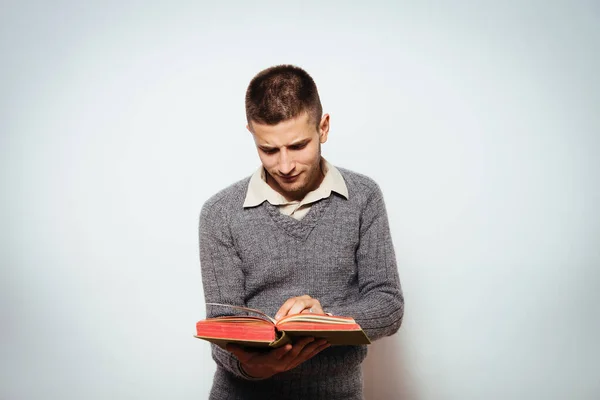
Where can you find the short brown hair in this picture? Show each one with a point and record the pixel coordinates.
(280, 93)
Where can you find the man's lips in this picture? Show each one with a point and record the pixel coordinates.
(289, 178)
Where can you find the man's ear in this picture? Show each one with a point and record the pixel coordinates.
(324, 128)
(249, 128)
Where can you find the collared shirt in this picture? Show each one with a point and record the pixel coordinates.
(260, 191)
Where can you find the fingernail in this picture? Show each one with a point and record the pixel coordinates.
(277, 316)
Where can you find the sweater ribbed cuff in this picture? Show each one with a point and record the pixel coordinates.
(245, 374)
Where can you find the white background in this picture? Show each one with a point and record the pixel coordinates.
(479, 120)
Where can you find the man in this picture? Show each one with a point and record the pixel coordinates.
(297, 236)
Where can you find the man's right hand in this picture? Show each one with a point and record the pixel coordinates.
(264, 365)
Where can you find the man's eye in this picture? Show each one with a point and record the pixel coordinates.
(298, 146)
(269, 151)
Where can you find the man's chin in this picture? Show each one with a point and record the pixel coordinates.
(291, 188)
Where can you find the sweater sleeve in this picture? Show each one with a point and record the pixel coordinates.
(381, 306)
(222, 276)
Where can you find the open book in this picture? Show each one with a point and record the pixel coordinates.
(265, 331)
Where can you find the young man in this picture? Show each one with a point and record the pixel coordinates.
(297, 236)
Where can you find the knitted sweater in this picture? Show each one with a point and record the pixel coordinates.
(340, 253)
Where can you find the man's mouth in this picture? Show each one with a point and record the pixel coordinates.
(289, 179)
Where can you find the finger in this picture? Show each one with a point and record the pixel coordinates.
(314, 309)
(299, 306)
(317, 350)
(309, 304)
(313, 346)
(281, 351)
(298, 347)
(309, 352)
(283, 310)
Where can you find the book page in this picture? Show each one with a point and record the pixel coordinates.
(243, 309)
(318, 318)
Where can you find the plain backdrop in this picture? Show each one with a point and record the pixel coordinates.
(479, 120)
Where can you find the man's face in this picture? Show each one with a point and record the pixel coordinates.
(290, 152)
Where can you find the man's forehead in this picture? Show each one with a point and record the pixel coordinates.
(289, 132)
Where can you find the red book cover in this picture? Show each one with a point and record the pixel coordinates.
(264, 331)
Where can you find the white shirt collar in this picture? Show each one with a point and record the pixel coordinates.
(259, 190)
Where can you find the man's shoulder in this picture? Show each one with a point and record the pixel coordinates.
(230, 198)
(358, 184)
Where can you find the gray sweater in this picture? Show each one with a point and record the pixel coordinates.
(340, 253)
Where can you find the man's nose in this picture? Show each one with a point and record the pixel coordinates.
(286, 164)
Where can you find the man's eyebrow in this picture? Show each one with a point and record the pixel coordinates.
(300, 142)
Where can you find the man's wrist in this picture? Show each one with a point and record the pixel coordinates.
(251, 373)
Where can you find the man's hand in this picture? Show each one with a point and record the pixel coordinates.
(300, 304)
(264, 365)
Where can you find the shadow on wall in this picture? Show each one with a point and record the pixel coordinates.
(386, 373)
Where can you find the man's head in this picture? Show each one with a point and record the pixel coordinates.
(281, 93)
(284, 116)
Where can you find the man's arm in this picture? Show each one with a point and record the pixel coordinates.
(222, 276)
(381, 307)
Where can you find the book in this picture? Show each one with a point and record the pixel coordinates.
(264, 331)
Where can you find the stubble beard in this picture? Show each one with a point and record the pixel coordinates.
(313, 180)
(298, 190)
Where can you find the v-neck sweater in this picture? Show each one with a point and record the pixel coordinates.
(340, 253)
